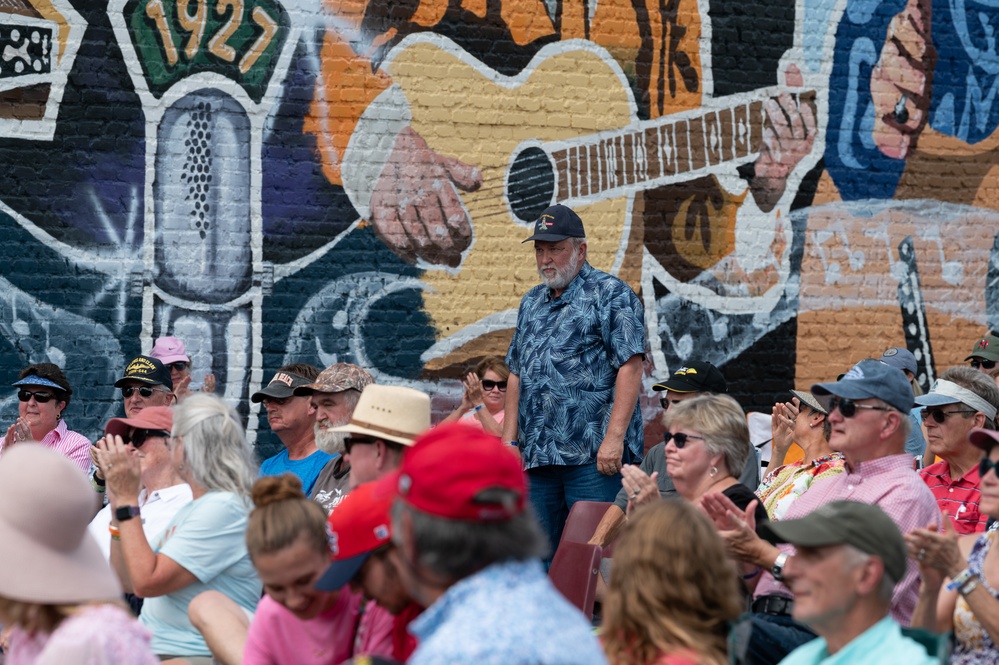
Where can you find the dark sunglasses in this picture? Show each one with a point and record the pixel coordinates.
(985, 465)
(680, 439)
(488, 385)
(351, 441)
(178, 366)
(940, 416)
(144, 391)
(139, 436)
(40, 397)
(978, 363)
(848, 408)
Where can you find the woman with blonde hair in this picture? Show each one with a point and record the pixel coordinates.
(203, 547)
(484, 399)
(678, 593)
(59, 601)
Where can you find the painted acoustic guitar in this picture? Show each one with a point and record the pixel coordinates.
(564, 130)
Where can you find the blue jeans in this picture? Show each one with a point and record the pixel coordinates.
(765, 639)
(555, 488)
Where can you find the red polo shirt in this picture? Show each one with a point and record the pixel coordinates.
(958, 499)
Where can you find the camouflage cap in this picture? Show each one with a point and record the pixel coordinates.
(337, 378)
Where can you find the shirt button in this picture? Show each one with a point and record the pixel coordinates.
(849, 487)
(951, 489)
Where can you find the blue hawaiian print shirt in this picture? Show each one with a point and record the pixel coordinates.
(506, 614)
(566, 352)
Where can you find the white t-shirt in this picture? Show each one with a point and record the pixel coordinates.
(158, 508)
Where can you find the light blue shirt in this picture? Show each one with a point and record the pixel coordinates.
(208, 538)
(506, 614)
(306, 469)
(881, 644)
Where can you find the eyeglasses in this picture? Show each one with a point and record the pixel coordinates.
(848, 408)
(679, 439)
(138, 437)
(488, 385)
(940, 416)
(978, 363)
(985, 465)
(40, 397)
(144, 391)
(352, 441)
(178, 366)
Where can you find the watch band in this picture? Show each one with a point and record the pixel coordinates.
(124, 513)
(777, 570)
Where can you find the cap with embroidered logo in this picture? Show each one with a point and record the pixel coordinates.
(987, 348)
(360, 525)
(557, 223)
(694, 376)
(900, 358)
(145, 369)
(281, 385)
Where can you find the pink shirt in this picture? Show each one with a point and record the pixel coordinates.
(73, 445)
(374, 634)
(889, 483)
(277, 636)
(97, 635)
(471, 418)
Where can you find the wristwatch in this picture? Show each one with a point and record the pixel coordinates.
(123, 513)
(777, 570)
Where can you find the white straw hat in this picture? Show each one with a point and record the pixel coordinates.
(392, 413)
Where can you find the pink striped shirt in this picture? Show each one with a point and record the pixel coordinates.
(891, 484)
(73, 445)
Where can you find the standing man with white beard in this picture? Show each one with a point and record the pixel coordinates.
(575, 372)
(333, 396)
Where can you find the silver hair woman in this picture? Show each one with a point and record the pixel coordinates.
(203, 548)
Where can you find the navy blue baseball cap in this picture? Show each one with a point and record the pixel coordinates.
(871, 378)
(556, 223)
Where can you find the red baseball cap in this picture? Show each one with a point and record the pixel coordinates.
(448, 468)
(152, 417)
(359, 525)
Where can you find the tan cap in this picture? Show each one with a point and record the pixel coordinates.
(392, 413)
(336, 378)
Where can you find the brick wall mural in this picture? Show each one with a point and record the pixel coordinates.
(790, 186)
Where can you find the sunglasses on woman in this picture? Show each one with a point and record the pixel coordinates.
(848, 408)
(978, 363)
(138, 437)
(488, 385)
(680, 439)
(144, 391)
(178, 366)
(40, 396)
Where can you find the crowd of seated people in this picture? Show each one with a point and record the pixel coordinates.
(376, 533)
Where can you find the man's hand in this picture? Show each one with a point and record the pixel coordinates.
(415, 207)
(609, 456)
(902, 81)
(787, 138)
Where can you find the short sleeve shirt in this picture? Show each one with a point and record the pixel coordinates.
(566, 352)
(208, 538)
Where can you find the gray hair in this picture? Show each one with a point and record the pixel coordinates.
(722, 423)
(855, 557)
(455, 549)
(977, 382)
(215, 446)
(576, 242)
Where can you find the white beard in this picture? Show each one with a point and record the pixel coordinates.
(331, 443)
(562, 278)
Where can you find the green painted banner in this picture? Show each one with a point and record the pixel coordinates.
(238, 39)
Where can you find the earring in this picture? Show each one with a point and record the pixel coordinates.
(59, 416)
(811, 425)
(713, 471)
